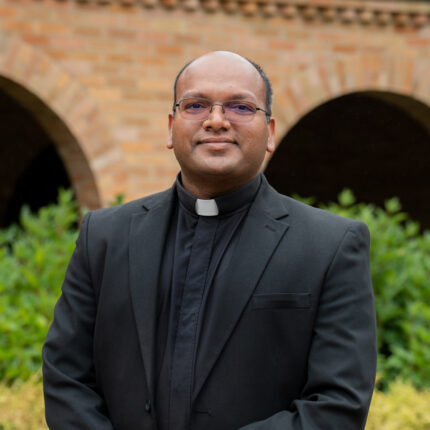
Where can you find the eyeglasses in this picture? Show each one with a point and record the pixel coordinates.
(196, 109)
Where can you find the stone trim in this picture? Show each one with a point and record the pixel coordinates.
(361, 12)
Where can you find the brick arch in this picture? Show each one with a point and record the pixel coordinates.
(69, 116)
(314, 81)
(320, 97)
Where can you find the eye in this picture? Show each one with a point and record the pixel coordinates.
(240, 107)
(194, 106)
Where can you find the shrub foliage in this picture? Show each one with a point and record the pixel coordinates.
(402, 408)
(400, 265)
(33, 259)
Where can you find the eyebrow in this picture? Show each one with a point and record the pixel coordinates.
(198, 94)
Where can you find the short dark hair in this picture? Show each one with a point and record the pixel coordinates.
(267, 84)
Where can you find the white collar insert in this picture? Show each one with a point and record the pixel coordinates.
(206, 207)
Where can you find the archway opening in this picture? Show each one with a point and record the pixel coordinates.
(38, 155)
(38, 184)
(375, 143)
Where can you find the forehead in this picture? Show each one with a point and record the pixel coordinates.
(221, 76)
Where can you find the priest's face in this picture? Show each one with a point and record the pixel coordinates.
(218, 149)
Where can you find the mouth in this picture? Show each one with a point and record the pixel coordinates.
(219, 140)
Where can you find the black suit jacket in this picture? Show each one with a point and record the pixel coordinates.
(291, 346)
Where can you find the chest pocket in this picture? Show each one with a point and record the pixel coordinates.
(281, 301)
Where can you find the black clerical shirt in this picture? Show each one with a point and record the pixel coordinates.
(197, 252)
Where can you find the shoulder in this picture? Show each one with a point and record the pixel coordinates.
(317, 235)
(318, 223)
(108, 218)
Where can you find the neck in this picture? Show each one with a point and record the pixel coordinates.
(211, 188)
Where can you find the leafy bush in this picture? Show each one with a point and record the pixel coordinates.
(400, 265)
(33, 260)
(21, 405)
(402, 408)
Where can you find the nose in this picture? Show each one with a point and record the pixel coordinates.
(216, 119)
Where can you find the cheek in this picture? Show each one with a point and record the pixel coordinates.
(179, 140)
(255, 141)
(183, 133)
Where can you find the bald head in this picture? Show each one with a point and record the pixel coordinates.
(233, 60)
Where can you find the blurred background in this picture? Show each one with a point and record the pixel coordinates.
(85, 90)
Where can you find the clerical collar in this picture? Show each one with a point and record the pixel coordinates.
(220, 205)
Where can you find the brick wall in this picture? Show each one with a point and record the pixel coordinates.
(106, 68)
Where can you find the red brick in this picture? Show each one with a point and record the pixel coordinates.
(7, 11)
(87, 31)
(18, 26)
(154, 36)
(345, 49)
(187, 39)
(53, 28)
(67, 42)
(281, 44)
(170, 50)
(122, 33)
(419, 41)
(120, 58)
(35, 39)
(153, 61)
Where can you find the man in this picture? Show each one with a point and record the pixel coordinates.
(218, 304)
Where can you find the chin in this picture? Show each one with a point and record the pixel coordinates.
(221, 171)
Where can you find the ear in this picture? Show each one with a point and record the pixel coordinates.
(170, 126)
(271, 135)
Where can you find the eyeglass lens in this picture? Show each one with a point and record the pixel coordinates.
(200, 109)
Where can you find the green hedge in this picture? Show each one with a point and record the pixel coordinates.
(400, 265)
(33, 261)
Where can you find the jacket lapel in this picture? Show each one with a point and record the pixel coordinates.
(260, 235)
(147, 235)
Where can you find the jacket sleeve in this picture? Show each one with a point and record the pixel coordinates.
(342, 357)
(71, 398)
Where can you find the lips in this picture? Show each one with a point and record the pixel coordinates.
(215, 140)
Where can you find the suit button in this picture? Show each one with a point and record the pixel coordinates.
(148, 406)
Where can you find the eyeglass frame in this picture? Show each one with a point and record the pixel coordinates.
(176, 105)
